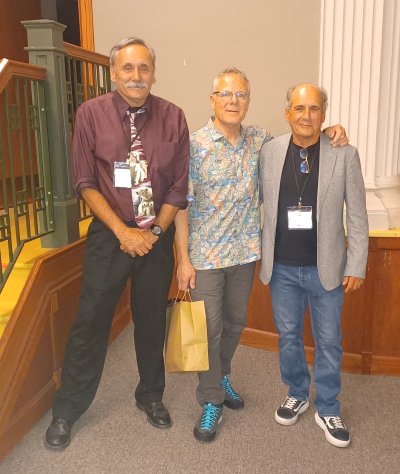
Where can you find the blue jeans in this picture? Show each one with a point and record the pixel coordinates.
(292, 289)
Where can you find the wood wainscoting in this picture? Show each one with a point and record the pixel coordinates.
(32, 346)
(371, 316)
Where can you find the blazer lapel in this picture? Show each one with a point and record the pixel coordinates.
(279, 161)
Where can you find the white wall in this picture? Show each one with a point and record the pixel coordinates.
(276, 42)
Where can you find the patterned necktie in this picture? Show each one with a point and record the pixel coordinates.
(142, 192)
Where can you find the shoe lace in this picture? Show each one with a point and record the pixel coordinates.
(57, 421)
(209, 416)
(337, 422)
(231, 392)
(290, 403)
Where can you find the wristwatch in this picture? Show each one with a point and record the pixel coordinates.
(156, 230)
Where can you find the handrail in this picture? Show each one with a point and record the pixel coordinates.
(10, 68)
(25, 185)
(85, 55)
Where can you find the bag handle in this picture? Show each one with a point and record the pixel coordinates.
(186, 294)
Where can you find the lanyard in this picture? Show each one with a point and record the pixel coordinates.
(311, 161)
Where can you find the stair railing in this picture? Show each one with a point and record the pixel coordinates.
(38, 102)
(26, 200)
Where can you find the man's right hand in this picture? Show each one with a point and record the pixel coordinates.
(134, 242)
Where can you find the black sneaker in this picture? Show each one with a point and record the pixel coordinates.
(335, 430)
(232, 399)
(206, 427)
(290, 410)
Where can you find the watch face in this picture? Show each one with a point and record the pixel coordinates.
(156, 230)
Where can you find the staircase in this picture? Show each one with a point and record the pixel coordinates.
(42, 224)
(17, 279)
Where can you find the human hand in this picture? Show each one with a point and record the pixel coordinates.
(185, 276)
(133, 241)
(151, 238)
(351, 283)
(337, 134)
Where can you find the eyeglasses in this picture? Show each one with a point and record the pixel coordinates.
(304, 166)
(226, 96)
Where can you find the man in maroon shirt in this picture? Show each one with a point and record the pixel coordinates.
(121, 243)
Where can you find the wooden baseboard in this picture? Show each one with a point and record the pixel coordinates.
(24, 419)
(260, 339)
(352, 363)
(385, 365)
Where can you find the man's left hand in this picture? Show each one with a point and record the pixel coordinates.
(351, 283)
(337, 134)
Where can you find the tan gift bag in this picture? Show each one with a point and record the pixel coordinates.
(186, 348)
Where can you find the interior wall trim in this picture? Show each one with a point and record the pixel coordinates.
(86, 24)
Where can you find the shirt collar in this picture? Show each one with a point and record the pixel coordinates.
(122, 105)
(310, 148)
(217, 135)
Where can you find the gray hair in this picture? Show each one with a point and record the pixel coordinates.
(127, 42)
(231, 70)
(322, 91)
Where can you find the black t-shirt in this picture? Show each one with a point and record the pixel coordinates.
(297, 247)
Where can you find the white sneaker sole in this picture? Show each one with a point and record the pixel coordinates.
(336, 442)
(291, 421)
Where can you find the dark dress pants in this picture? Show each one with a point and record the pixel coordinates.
(106, 270)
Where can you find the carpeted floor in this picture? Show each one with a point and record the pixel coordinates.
(114, 437)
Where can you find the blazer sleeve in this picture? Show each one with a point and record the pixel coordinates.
(356, 218)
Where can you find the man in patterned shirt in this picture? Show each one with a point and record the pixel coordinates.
(217, 258)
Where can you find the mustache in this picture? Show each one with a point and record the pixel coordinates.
(136, 85)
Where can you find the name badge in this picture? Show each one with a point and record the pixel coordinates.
(299, 218)
(122, 175)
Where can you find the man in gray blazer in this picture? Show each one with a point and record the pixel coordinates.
(305, 260)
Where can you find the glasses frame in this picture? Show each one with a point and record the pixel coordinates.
(242, 97)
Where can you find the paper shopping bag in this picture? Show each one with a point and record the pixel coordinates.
(170, 306)
(186, 344)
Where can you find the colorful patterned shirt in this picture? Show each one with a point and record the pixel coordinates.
(224, 211)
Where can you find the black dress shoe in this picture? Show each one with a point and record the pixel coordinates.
(58, 434)
(157, 414)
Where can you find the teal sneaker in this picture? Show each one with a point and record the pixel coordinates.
(232, 399)
(206, 427)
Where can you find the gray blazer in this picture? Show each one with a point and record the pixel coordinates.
(339, 181)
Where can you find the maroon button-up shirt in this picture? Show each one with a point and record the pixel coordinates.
(102, 137)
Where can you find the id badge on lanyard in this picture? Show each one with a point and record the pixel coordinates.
(122, 175)
(299, 217)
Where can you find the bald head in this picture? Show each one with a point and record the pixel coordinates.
(322, 91)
